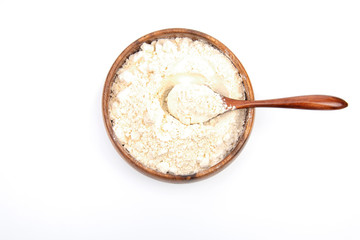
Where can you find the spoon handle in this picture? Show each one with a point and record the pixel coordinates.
(315, 102)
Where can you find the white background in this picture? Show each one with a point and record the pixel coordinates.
(60, 178)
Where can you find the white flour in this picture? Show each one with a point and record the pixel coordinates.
(193, 103)
(140, 118)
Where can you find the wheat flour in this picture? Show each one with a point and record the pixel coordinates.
(142, 123)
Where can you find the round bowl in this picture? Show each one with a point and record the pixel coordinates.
(173, 33)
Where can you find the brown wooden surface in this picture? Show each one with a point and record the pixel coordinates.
(312, 102)
(172, 33)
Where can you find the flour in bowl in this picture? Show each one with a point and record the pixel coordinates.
(139, 114)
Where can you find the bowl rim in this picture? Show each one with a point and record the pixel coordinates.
(133, 48)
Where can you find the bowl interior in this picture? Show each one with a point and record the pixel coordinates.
(173, 33)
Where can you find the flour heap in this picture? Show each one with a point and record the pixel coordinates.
(142, 123)
(193, 103)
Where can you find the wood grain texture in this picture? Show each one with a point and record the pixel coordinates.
(133, 48)
(311, 102)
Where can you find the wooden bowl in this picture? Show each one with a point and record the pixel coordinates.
(133, 48)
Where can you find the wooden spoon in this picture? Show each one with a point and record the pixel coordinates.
(313, 102)
(209, 104)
